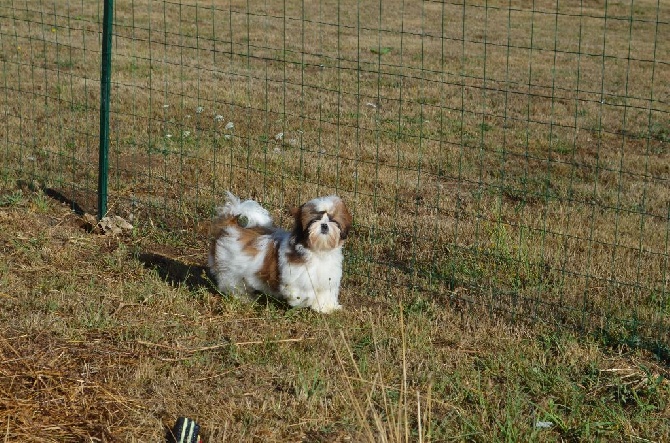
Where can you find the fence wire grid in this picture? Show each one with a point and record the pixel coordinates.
(510, 154)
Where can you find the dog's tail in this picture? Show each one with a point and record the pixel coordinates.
(249, 214)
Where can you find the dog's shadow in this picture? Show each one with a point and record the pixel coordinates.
(176, 273)
(194, 277)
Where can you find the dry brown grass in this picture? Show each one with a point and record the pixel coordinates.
(511, 159)
(96, 345)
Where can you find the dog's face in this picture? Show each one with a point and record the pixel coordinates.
(322, 224)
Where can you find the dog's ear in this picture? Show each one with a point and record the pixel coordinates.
(296, 213)
(344, 233)
(293, 211)
(344, 218)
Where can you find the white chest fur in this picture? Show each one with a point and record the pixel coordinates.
(314, 283)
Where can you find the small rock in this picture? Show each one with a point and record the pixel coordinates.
(114, 225)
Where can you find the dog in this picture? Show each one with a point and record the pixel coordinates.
(249, 254)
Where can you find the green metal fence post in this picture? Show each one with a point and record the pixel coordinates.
(105, 79)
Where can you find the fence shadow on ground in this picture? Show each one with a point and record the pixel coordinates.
(69, 198)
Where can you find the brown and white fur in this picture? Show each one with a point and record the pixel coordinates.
(249, 253)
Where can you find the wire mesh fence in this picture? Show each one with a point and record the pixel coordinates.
(511, 155)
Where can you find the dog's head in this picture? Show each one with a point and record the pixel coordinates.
(322, 224)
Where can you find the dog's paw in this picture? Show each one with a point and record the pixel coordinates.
(327, 309)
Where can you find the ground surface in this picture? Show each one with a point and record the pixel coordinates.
(112, 338)
(507, 165)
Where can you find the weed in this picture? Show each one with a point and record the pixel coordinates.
(41, 202)
(660, 132)
(65, 64)
(381, 50)
(485, 127)
(14, 198)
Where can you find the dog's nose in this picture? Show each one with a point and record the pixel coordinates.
(324, 228)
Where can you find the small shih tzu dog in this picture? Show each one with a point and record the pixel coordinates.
(249, 253)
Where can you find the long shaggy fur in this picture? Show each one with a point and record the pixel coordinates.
(249, 253)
